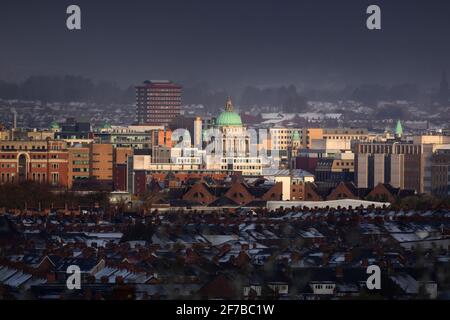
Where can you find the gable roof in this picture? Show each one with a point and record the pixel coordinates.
(219, 287)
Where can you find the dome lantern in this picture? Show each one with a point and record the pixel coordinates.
(229, 117)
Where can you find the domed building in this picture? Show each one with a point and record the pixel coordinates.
(55, 127)
(232, 151)
(106, 127)
(235, 140)
(229, 118)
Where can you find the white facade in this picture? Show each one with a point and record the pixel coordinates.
(323, 287)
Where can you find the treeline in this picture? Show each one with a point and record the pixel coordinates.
(286, 98)
(290, 99)
(139, 232)
(202, 93)
(33, 195)
(66, 89)
(371, 94)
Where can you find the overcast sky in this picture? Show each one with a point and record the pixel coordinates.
(312, 43)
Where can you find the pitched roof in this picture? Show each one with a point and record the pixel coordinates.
(219, 287)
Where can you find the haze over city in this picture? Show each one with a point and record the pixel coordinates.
(228, 44)
(225, 151)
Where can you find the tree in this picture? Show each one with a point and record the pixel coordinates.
(139, 232)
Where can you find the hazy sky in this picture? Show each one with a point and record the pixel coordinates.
(228, 43)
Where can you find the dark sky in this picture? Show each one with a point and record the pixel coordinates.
(310, 43)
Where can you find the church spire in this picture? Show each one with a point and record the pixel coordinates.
(398, 129)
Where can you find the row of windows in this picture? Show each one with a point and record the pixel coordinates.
(344, 164)
(164, 98)
(159, 109)
(13, 147)
(161, 102)
(39, 177)
(152, 92)
(38, 165)
(43, 165)
(81, 155)
(288, 131)
(80, 162)
(324, 286)
(383, 148)
(247, 168)
(344, 132)
(345, 138)
(6, 177)
(33, 165)
(36, 156)
(7, 165)
(79, 177)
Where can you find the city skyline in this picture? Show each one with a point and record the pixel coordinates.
(290, 150)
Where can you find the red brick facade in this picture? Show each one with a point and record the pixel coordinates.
(274, 193)
(381, 193)
(40, 161)
(342, 191)
(239, 194)
(199, 193)
(120, 177)
(310, 192)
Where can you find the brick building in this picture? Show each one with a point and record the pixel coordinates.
(157, 102)
(40, 161)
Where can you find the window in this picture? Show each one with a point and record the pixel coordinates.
(55, 178)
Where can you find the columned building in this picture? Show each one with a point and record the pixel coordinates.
(232, 147)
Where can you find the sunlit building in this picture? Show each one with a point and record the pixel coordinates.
(232, 145)
(39, 161)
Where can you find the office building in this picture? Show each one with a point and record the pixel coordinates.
(397, 163)
(158, 102)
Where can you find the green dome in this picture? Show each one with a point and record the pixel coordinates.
(54, 125)
(106, 125)
(229, 117)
